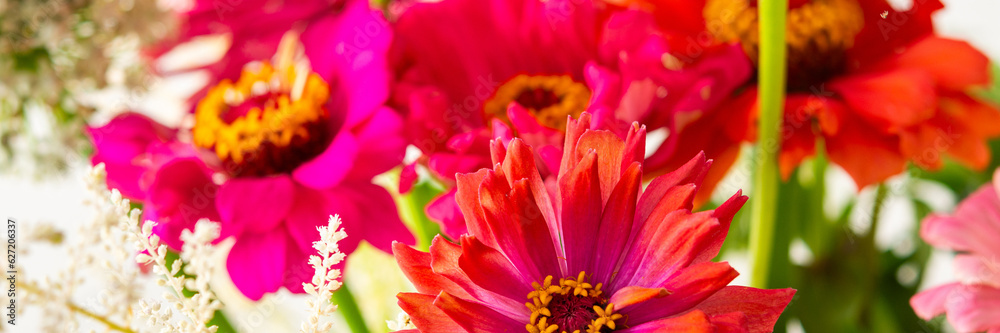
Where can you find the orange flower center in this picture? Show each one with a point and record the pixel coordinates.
(818, 34)
(268, 122)
(573, 305)
(549, 98)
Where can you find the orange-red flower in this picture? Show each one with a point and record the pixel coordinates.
(590, 252)
(873, 82)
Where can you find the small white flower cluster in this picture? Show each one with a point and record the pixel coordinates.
(116, 226)
(55, 294)
(186, 314)
(200, 307)
(402, 322)
(326, 279)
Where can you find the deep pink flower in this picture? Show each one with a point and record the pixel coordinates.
(271, 156)
(973, 303)
(469, 71)
(591, 248)
(255, 27)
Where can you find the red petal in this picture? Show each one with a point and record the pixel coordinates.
(519, 163)
(953, 64)
(519, 224)
(467, 197)
(574, 129)
(416, 265)
(580, 192)
(881, 160)
(616, 224)
(632, 295)
(491, 270)
(688, 288)
(609, 148)
(665, 247)
(425, 316)
(761, 307)
(724, 214)
(691, 172)
(889, 100)
(476, 317)
(444, 261)
(690, 322)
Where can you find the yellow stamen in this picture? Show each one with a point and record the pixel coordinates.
(541, 297)
(817, 26)
(570, 98)
(280, 121)
(818, 35)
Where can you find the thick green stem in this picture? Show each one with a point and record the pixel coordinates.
(772, 89)
(348, 307)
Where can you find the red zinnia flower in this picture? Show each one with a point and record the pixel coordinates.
(863, 77)
(468, 71)
(590, 252)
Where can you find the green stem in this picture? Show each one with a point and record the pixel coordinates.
(348, 307)
(414, 202)
(772, 88)
(880, 194)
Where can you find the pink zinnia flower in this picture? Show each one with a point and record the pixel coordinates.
(270, 156)
(591, 252)
(332, 28)
(973, 303)
(469, 71)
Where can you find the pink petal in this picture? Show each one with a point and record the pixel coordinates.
(380, 147)
(254, 204)
(407, 177)
(931, 303)
(445, 211)
(181, 193)
(332, 166)
(349, 51)
(256, 263)
(121, 145)
(376, 216)
(974, 308)
(972, 269)
(312, 209)
(974, 227)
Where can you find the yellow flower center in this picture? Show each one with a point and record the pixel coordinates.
(265, 123)
(549, 98)
(573, 305)
(817, 34)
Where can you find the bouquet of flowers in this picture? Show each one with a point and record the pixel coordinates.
(501, 166)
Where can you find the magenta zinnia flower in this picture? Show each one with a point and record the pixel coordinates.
(973, 303)
(591, 252)
(332, 31)
(469, 71)
(270, 156)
